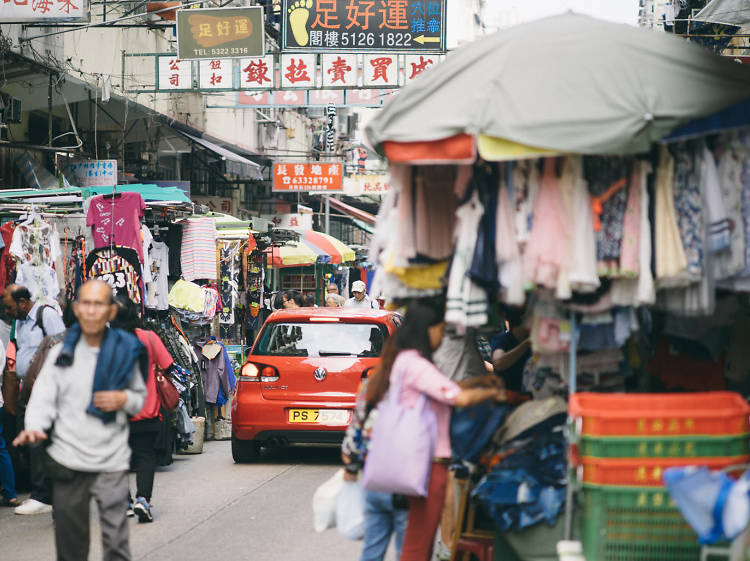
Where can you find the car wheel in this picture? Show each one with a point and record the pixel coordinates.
(244, 451)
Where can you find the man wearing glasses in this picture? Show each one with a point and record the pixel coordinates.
(88, 455)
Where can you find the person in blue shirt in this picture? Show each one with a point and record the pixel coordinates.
(34, 321)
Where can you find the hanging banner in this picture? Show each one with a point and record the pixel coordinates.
(363, 25)
(173, 74)
(215, 74)
(298, 71)
(340, 70)
(257, 72)
(220, 32)
(380, 70)
(304, 177)
(44, 10)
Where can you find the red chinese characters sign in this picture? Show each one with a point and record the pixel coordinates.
(43, 10)
(309, 177)
(364, 25)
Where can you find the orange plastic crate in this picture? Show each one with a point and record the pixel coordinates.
(645, 471)
(709, 413)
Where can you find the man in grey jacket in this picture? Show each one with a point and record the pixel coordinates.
(89, 454)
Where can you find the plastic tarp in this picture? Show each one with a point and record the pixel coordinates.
(728, 12)
(149, 192)
(569, 83)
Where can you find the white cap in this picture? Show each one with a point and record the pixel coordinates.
(358, 286)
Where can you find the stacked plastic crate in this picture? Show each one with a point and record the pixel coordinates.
(624, 444)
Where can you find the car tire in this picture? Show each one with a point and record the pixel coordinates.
(244, 451)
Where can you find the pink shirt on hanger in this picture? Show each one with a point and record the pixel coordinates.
(117, 221)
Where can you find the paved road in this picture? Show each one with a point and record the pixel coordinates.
(207, 507)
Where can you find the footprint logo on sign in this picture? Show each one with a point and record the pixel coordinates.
(299, 13)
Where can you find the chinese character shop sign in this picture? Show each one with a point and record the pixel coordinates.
(44, 10)
(303, 177)
(95, 173)
(220, 33)
(364, 25)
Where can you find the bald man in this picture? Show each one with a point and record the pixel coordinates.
(89, 454)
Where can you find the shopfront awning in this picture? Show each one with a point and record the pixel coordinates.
(294, 254)
(149, 192)
(236, 164)
(339, 252)
(354, 212)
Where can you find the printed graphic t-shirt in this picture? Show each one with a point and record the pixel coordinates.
(117, 221)
(157, 291)
(119, 267)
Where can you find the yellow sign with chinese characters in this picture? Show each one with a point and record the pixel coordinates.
(216, 33)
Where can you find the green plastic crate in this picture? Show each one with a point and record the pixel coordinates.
(666, 447)
(635, 524)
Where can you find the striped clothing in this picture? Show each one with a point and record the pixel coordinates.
(198, 255)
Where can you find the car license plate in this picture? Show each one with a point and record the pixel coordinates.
(319, 416)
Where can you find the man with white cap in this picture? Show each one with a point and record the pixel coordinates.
(360, 298)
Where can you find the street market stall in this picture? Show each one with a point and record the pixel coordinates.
(559, 192)
(306, 264)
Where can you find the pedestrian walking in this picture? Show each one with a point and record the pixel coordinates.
(34, 322)
(88, 453)
(360, 298)
(410, 350)
(8, 496)
(385, 513)
(333, 301)
(145, 426)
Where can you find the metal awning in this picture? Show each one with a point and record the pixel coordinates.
(242, 166)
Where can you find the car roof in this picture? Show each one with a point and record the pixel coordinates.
(302, 314)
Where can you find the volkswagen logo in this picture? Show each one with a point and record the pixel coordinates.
(320, 374)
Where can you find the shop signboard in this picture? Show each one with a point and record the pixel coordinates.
(294, 221)
(357, 185)
(217, 204)
(220, 33)
(44, 10)
(307, 177)
(94, 173)
(363, 25)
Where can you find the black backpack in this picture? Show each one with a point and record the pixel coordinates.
(40, 318)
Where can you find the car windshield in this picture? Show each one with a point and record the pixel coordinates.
(322, 339)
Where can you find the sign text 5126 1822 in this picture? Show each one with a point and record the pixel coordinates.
(364, 25)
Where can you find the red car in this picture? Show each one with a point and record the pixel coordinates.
(299, 383)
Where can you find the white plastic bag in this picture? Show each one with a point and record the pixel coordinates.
(350, 511)
(324, 502)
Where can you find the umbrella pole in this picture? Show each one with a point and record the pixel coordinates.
(572, 388)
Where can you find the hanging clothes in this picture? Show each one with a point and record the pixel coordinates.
(146, 240)
(36, 241)
(507, 254)
(607, 179)
(688, 202)
(213, 368)
(466, 302)
(198, 250)
(671, 261)
(119, 267)
(547, 243)
(630, 252)
(525, 190)
(41, 280)
(732, 261)
(157, 291)
(229, 254)
(582, 272)
(116, 221)
(483, 270)
(7, 263)
(174, 240)
(434, 211)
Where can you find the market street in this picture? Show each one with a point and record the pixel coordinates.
(206, 506)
